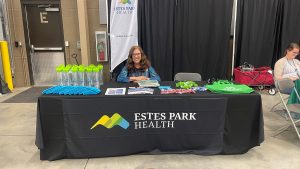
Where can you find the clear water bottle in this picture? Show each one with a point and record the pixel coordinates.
(81, 76)
(100, 74)
(67, 75)
(96, 71)
(59, 75)
(89, 76)
(74, 70)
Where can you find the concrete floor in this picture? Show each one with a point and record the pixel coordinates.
(18, 151)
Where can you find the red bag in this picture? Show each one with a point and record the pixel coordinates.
(259, 76)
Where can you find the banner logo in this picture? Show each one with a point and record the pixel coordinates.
(161, 120)
(109, 123)
(125, 2)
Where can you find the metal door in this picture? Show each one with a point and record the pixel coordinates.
(44, 41)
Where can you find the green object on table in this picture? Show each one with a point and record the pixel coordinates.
(89, 69)
(293, 97)
(228, 87)
(67, 68)
(100, 66)
(60, 68)
(186, 84)
(81, 69)
(96, 69)
(74, 68)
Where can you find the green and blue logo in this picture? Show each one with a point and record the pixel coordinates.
(110, 122)
(125, 2)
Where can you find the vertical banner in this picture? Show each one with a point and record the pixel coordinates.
(123, 29)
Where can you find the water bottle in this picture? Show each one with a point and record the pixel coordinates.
(100, 74)
(89, 76)
(59, 75)
(96, 82)
(67, 76)
(81, 75)
(75, 79)
(93, 77)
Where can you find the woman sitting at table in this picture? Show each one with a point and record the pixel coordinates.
(288, 66)
(137, 68)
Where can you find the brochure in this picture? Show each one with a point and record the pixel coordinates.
(140, 91)
(148, 83)
(115, 91)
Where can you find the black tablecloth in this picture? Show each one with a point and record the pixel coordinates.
(202, 123)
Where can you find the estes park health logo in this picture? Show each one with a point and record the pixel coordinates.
(125, 2)
(110, 122)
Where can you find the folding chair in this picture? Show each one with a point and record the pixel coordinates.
(285, 98)
(283, 92)
(284, 86)
(187, 76)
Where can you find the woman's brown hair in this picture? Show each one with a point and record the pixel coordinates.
(145, 63)
(291, 46)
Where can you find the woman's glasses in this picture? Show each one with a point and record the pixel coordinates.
(294, 51)
(136, 54)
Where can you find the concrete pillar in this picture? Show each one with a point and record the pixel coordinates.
(83, 31)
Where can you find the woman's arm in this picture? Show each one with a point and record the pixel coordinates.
(153, 75)
(297, 63)
(278, 69)
(137, 78)
(123, 76)
(297, 67)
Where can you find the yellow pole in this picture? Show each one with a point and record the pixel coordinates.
(6, 64)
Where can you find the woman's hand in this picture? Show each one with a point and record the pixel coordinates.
(138, 78)
(293, 78)
(143, 78)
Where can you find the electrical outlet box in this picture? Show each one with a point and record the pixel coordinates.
(78, 45)
(18, 44)
(67, 44)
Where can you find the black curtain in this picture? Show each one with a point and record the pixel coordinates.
(291, 24)
(156, 34)
(264, 29)
(186, 36)
(258, 31)
(202, 34)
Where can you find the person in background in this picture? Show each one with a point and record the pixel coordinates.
(137, 68)
(288, 66)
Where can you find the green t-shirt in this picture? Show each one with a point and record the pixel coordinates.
(293, 99)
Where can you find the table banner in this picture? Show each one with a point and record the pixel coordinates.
(120, 126)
